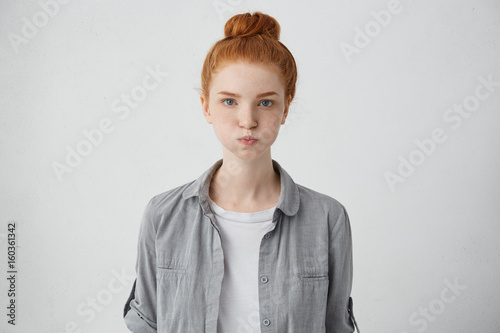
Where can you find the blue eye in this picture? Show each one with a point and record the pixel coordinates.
(230, 100)
(267, 102)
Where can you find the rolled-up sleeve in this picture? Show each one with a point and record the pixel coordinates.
(339, 315)
(140, 309)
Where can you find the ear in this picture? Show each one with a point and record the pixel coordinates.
(205, 108)
(287, 106)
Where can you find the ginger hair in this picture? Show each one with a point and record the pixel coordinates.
(253, 38)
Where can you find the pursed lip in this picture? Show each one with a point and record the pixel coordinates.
(248, 137)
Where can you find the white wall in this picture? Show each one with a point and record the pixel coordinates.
(353, 120)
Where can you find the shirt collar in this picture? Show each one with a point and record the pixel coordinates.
(288, 201)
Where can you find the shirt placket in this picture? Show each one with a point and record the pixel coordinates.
(266, 275)
(216, 275)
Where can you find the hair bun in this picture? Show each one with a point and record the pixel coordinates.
(246, 25)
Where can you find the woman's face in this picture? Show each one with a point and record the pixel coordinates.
(246, 99)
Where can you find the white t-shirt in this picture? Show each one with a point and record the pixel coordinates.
(241, 234)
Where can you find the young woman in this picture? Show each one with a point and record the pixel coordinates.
(243, 248)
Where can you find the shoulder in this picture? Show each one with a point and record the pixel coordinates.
(326, 205)
(167, 202)
(312, 197)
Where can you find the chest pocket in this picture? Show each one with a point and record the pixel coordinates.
(306, 292)
(170, 268)
(172, 290)
(313, 288)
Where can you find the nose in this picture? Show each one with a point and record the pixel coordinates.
(247, 116)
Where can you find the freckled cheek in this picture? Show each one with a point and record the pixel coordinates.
(224, 131)
(267, 134)
(273, 122)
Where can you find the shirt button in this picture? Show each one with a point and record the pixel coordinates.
(267, 235)
(264, 279)
(266, 322)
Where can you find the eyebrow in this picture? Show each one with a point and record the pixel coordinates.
(269, 93)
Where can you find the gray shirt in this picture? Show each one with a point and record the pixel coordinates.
(305, 263)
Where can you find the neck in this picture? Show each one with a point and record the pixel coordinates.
(241, 183)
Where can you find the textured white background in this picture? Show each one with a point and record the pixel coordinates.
(347, 127)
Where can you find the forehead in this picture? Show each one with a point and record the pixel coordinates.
(248, 76)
